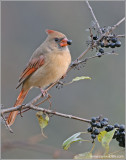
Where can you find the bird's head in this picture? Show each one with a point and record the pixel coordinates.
(57, 39)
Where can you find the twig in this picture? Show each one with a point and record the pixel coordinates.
(117, 24)
(33, 101)
(98, 26)
(117, 36)
(6, 123)
(82, 54)
(120, 36)
(24, 110)
(33, 107)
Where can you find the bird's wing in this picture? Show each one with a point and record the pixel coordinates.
(32, 66)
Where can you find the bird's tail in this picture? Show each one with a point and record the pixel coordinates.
(12, 116)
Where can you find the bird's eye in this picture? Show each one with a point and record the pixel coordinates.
(56, 39)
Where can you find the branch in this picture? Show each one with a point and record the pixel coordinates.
(120, 36)
(91, 10)
(33, 107)
(117, 36)
(2, 115)
(116, 25)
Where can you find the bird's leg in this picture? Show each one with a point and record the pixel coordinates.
(60, 83)
(46, 94)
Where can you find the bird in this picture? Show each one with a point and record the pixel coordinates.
(48, 63)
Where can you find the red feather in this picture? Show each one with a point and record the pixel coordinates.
(32, 66)
(48, 31)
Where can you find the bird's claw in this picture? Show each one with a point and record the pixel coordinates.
(44, 92)
(59, 85)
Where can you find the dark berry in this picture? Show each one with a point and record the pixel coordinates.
(120, 139)
(116, 125)
(93, 136)
(114, 40)
(121, 128)
(95, 37)
(106, 129)
(102, 44)
(121, 144)
(90, 129)
(98, 125)
(118, 44)
(123, 138)
(107, 45)
(99, 54)
(112, 45)
(118, 134)
(122, 134)
(110, 127)
(104, 123)
(105, 119)
(96, 132)
(94, 124)
(101, 50)
(93, 119)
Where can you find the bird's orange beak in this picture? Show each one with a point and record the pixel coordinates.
(65, 42)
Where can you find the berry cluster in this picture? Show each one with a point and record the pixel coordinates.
(108, 41)
(120, 134)
(97, 122)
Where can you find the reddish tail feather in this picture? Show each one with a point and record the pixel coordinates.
(12, 116)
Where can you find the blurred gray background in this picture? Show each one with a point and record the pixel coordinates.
(23, 30)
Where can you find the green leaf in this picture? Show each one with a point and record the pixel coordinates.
(86, 155)
(101, 135)
(77, 79)
(43, 122)
(105, 138)
(74, 138)
(80, 78)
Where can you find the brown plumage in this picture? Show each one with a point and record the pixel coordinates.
(48, 63)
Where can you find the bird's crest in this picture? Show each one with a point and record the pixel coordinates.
(48, 31)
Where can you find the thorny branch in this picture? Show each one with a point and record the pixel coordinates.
(31, 104)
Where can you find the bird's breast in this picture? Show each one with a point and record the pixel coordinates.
(55, 66)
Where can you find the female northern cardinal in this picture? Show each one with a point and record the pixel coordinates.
(48, 63)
